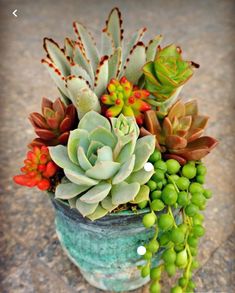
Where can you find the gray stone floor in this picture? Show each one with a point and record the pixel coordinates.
(30, 255)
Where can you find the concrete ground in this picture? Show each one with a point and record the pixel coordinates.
(31, 257)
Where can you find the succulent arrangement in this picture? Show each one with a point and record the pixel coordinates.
(119, 137)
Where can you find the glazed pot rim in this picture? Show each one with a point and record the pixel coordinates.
(115, 218)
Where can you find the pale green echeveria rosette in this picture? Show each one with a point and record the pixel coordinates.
(166, 75)
(104, 165)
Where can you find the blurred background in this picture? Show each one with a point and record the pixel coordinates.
(30, 255)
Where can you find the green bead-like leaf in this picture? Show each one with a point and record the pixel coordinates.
(96, 193)
(124, 192)
(101, 78)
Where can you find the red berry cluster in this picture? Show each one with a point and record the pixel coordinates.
(38, 169)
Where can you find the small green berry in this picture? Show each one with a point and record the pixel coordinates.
(169, 256)
(157, 205)
(192, 241)
(183, 183)
(161, 165)
(207, 193)
(169, 196)
(156, 155)
(164, 239)
(191, 210)
(191, 284)
(165, 222)
(158, 175)
(183, 227)
(155, 288)
(181, 259)
(159, 185)
(170, 269)
(200, 179)
(177, 236)
(155, 194)
(176, 289)
(143, 204)
(173, 177)
(183, 198)
(145, 271)
(198, 219)
(153, 246)
(148, 255)
(173, 166)
(198, 199)
(198, 231)
(179, 247)
(189, 171)
(149, 220)
(155, 273)
(195, 187)
(152, 185)
(182, 281)
(201, 170)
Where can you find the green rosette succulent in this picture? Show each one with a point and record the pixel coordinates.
(103, 165)
(165, 76)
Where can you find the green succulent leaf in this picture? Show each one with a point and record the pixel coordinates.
(93, 149)
(91, 120)
(126, 152)
(151, 49)
(81, 59)
(69, 190)
(137, 59)
(96, 193)
(57, 56)
(107, 44)
(82, 159)
(79, 178)
(72, 202)
(85, 208)
(104, 154)
(107, 204)
(53, 72)
(101, 78)
(140, 176)
(60, 156)
(103, 170)
(114, 27)
(144, 148)
(142, 195)
(104, 136)
(88, 44)
(124, 171)
(77, 69)
(115, 63)
(77, 137)
(124, 192)
(98, 213)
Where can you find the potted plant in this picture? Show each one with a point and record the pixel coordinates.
(119, 154)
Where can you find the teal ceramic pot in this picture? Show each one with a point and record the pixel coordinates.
(105, 250)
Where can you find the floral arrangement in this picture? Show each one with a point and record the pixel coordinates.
(120, 137)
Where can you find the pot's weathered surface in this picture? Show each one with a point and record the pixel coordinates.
(105, 250)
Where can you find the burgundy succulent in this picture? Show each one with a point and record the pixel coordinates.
(178, 134)
(54, 124)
